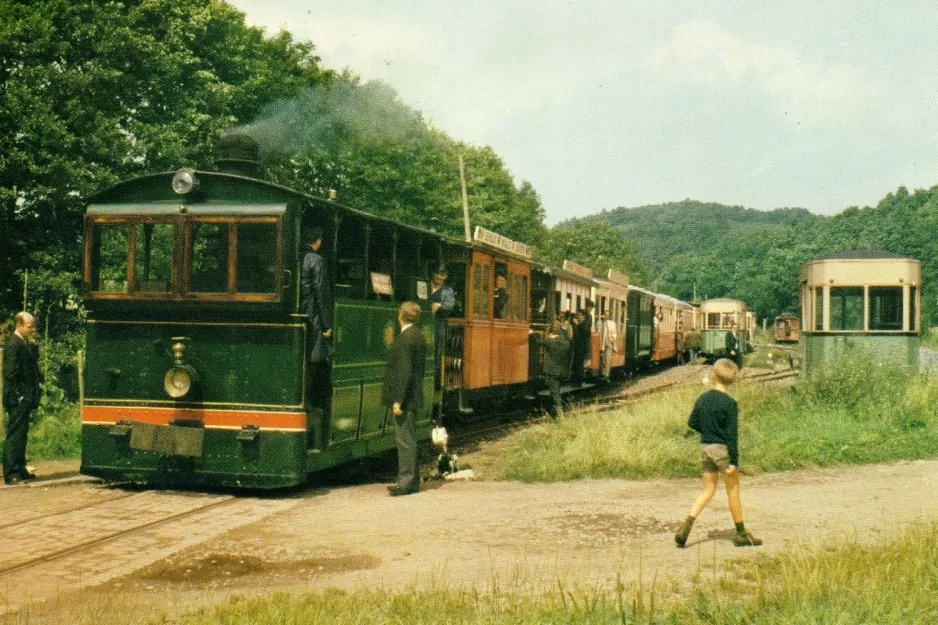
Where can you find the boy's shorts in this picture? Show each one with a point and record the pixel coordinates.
(714, 457)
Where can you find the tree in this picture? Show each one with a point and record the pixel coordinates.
(596, 245)
(93, 92)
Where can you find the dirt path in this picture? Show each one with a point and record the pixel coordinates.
(516, 537)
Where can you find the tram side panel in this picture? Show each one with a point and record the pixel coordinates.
(243, 424)
(359, 424)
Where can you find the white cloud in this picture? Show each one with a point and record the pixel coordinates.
(805, 91)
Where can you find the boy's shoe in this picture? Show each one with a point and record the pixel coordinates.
(680, 538)
(746, 540)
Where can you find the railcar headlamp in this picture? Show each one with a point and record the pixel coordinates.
(180, 379)
(184, 181)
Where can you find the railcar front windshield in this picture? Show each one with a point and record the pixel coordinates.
(189, 257)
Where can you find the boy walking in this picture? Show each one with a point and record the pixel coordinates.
(715, 417)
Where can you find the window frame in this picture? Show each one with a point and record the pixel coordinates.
(181, 255)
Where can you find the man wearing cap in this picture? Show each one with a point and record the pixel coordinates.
(316, 303)
(442, 304)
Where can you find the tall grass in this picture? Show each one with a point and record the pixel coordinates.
(861, 412)
(892, 583)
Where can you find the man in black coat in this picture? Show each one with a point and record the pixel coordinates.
(734, 347)
(582, 333)
(316, 304)
(21, 378)
(556, 362)
(403, 393)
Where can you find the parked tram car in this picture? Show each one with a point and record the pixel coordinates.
(787, 329)
(719, 316)
(196, 369)
(861, 302)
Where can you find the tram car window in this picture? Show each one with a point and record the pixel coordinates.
(885, 308)
(846, 308)
(153, 258)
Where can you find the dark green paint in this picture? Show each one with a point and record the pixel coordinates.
(237, 364)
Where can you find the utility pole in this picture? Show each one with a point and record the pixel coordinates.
(465, 198)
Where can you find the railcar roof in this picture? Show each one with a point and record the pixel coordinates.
(101, 197)
(864, 255)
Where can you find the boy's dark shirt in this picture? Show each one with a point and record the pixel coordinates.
(715, 416)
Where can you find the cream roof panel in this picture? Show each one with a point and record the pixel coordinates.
(862, 272)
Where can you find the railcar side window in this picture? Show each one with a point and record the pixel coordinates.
(109, 256)
(713, 321)
(818, 309)
(478, 300)
(209, 248)
(153, 257)
(257, 260)
(501, 296)
(846, 308)
(885, 308)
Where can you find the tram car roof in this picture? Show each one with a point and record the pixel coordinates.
(564, 275)
(723, 304)
(127, 194)
(862, 268)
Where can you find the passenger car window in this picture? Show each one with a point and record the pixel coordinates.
(846, 308)
(885, 308)
(153, 257)
(111, 242)
(256, 259)
(209, 245)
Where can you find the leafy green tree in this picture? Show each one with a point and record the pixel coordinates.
(596, 245)
(93, 92)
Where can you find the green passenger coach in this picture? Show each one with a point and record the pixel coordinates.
(196, 348)
(860, 303)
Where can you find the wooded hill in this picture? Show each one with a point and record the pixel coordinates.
(713, 250)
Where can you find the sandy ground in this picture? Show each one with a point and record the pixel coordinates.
(510, 536)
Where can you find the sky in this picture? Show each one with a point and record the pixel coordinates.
(817, 104)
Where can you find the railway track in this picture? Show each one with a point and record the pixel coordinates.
(89, 526)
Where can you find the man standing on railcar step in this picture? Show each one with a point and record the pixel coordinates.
(316, 303)
(442, 303)
(556, 363)
(21, 378)
(403, 393)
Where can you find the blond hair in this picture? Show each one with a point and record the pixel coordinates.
(724, 371)
(409, 312)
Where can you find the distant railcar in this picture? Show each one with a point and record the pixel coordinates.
(718, 317)
(861, 302)
(787, 329)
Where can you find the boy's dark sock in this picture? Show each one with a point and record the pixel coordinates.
(740, 528)
(681, 536)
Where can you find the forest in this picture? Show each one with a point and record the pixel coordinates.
(95, 92)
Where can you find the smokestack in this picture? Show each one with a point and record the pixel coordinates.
(239, 154)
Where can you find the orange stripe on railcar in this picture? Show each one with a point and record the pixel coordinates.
(108, 415)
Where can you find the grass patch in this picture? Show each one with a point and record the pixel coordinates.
(55, 431)
(891, 583)
(861, 413)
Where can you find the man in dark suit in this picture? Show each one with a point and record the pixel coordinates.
(581, 348)
(403, 393)
(734, 347)
(21, 378)
(316, 303)
(556, 363)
